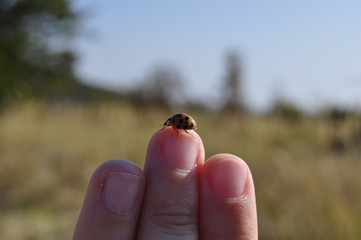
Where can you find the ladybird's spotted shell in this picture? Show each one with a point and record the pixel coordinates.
(181, 121)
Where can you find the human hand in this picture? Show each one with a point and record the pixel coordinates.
(179, 195)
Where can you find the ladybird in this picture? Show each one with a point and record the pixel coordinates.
(181, 121)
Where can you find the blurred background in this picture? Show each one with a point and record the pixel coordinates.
(278, 84)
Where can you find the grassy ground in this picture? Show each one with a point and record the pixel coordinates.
(305, 189)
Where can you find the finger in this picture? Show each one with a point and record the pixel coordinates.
(170, 207)
(227, 201)
(112, 203)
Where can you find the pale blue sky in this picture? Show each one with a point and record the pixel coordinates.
(309, 51)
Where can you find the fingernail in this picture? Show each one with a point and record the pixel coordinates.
(180, 152)
(120, 191)
(228, 178)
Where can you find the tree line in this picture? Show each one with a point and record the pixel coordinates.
(36, 64)
(32, 68)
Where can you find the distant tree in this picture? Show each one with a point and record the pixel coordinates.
(163, 87)
(233, 85)
(337, 116)
(29, 65)
(286, 111)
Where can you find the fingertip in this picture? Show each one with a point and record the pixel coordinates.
(227, 175)
(170, 133)
(227, 198)
(118, 165)
(177, 148)
(113, 201)
(115, 165)
(225, 157)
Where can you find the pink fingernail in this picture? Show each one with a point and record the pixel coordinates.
(181, 152)
(228, 179)
(120, 191)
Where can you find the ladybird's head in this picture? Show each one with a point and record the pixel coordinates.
(168, 122)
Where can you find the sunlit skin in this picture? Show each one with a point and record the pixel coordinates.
(178, 195)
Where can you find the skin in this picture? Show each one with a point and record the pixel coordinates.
(178, 195)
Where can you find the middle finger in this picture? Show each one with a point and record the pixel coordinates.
(170, 207)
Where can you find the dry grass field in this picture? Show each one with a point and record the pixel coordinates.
(305, 189)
